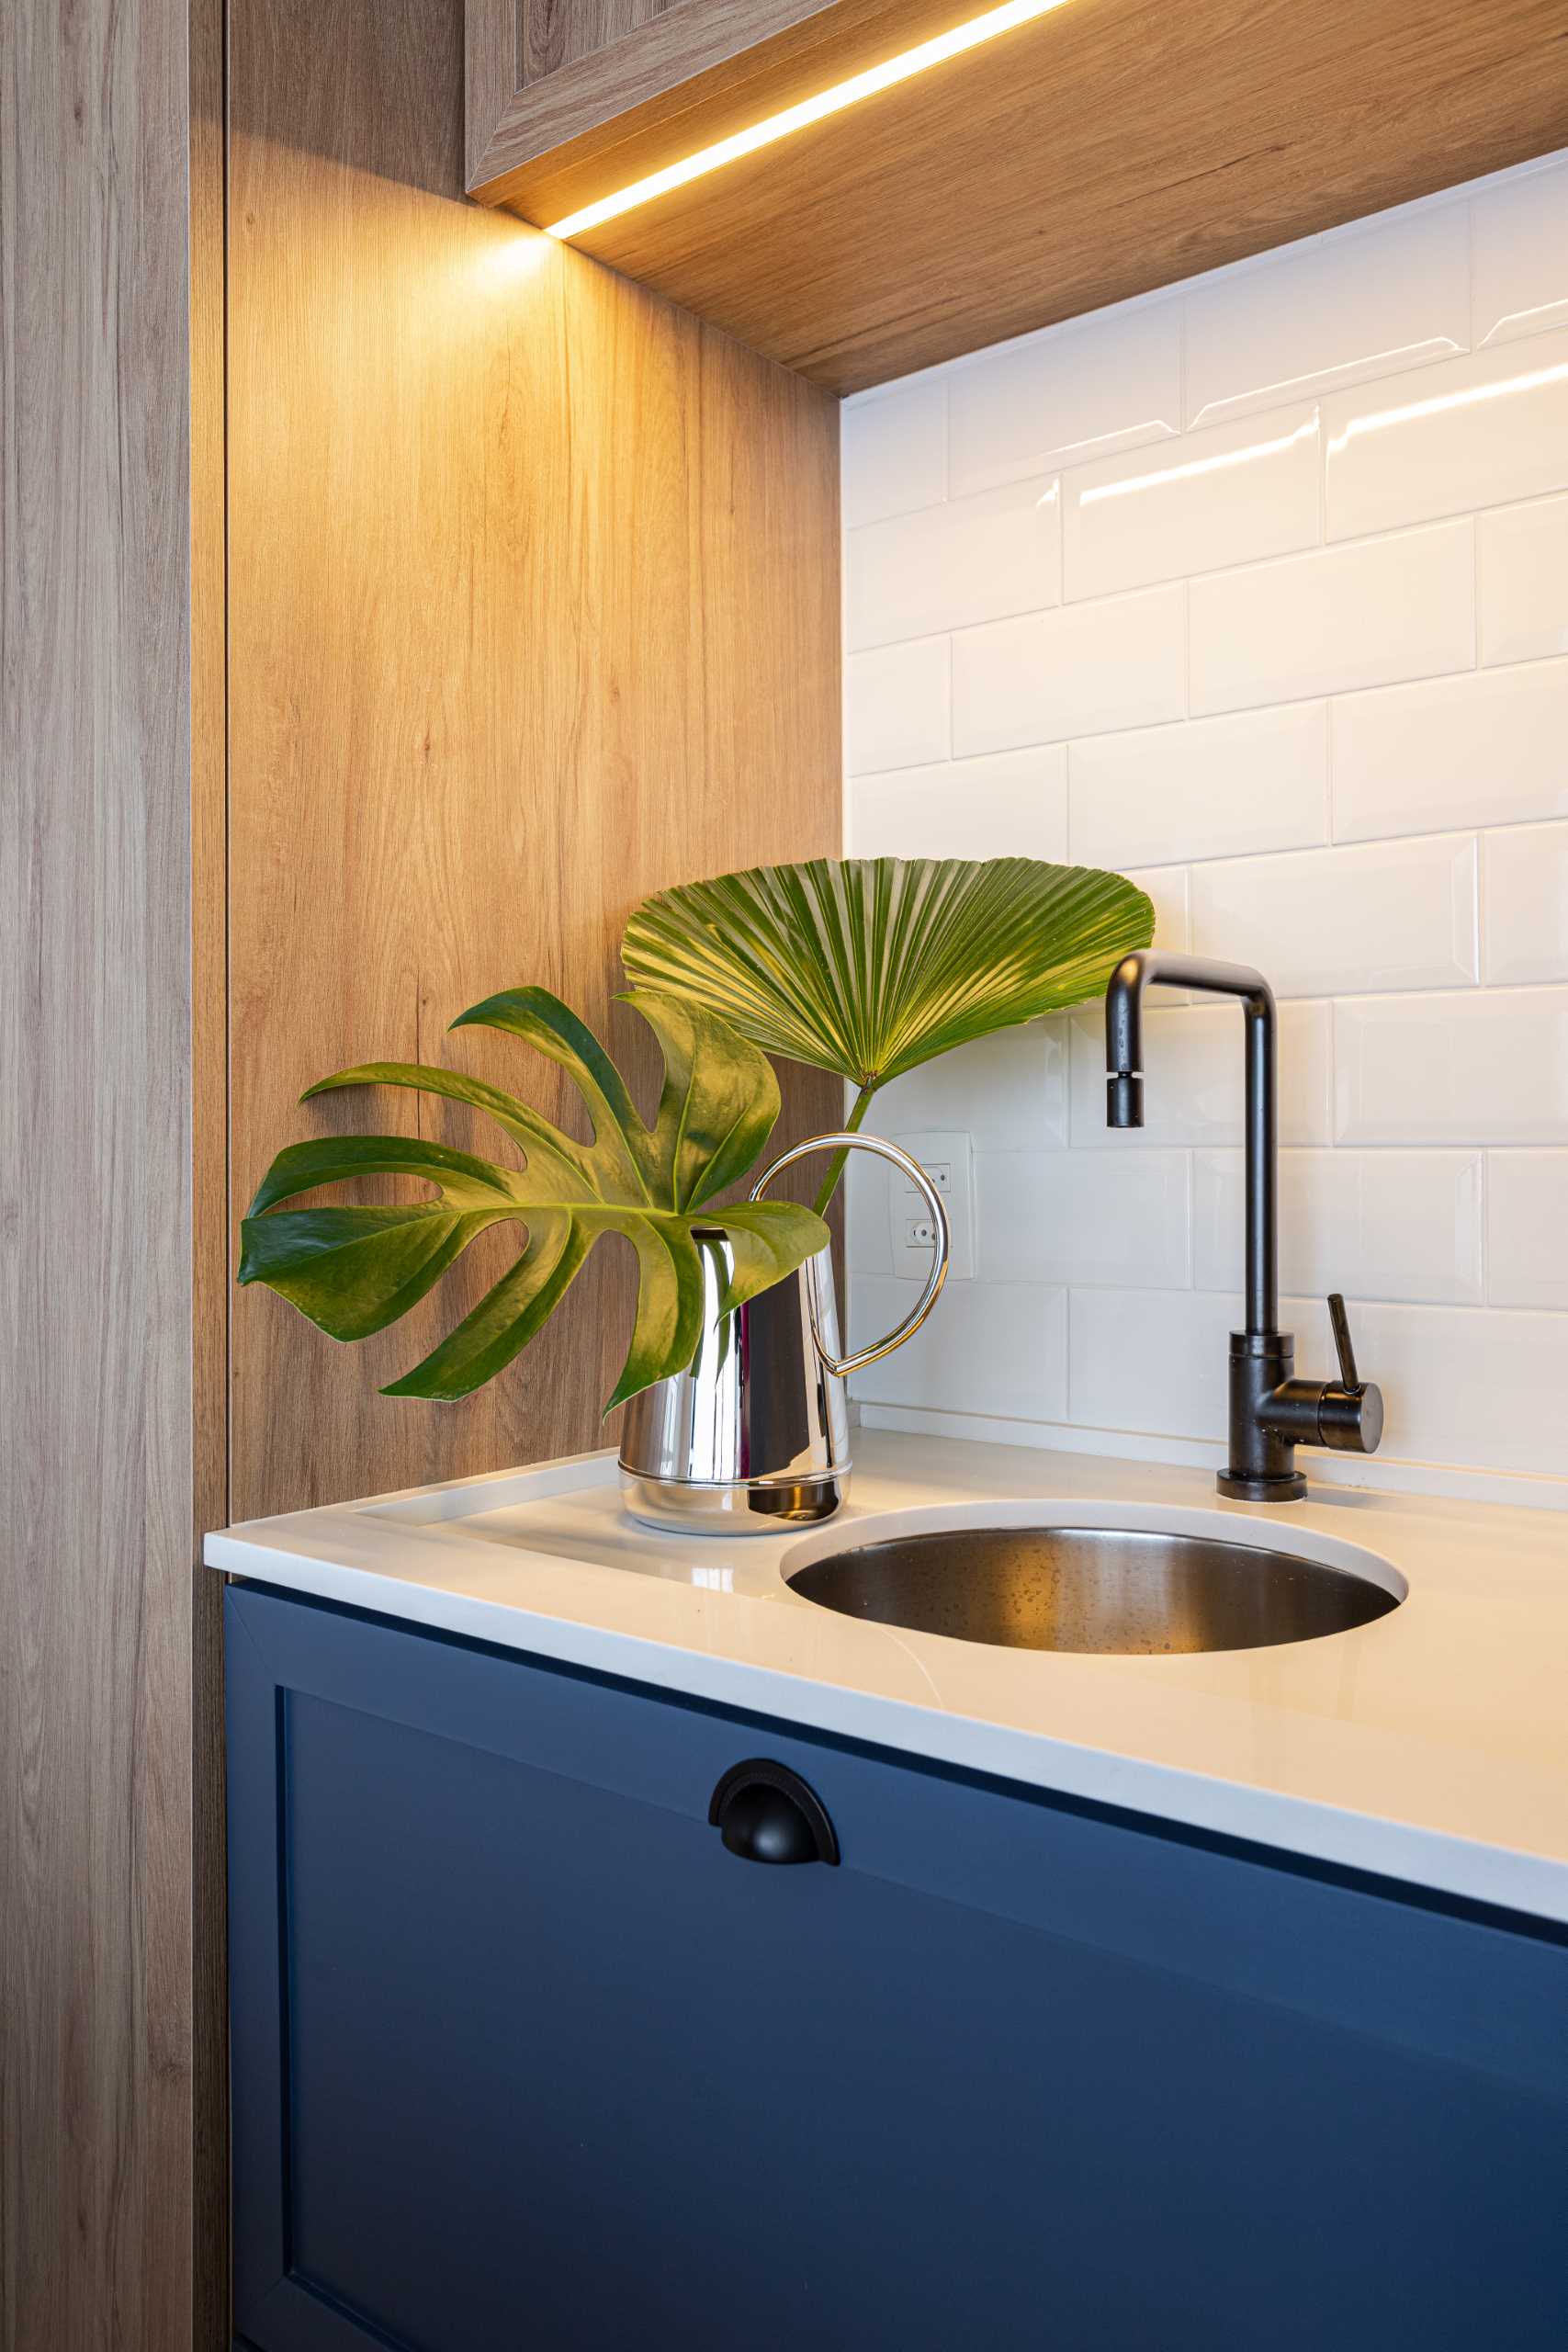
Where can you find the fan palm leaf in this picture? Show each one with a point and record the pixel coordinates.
(869, 966)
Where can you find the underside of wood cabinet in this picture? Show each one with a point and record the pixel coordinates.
(1099, 151)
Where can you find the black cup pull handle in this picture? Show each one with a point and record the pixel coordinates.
(766, 1812)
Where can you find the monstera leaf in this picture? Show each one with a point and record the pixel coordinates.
(354, 1271)
(870, 966)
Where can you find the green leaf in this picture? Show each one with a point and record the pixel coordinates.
(354, 1270)
(868, 966)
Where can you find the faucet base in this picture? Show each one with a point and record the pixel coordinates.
(1290, 1489)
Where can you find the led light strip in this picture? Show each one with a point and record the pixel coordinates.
(774, 127)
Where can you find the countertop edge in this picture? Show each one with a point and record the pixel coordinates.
(1506, 1878)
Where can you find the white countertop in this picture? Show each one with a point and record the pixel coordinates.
(1431, 1745)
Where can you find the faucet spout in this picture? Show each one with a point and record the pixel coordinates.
(1124, 1091)
(1271, 1412)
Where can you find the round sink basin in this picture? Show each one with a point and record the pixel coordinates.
(1135, 1591)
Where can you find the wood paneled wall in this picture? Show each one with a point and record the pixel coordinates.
(100, 1457)
(527, 604)
(532, 609)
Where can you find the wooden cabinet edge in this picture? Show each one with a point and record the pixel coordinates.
(691, 76)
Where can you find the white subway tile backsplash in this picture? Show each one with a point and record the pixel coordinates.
(1070, 394)
(1084, 1216)
(1483, 748)
(1008, 1090)
(1015, 802)
(1331, 310)
(1291, 650)
(1230, 495)
(1122, 1346)
(1486, 1067)
(1524, 902)
(1396, 915)
(1461, 1384)
(1088, 667)
(1212, 787)
(896, 707)
(1527, 1228)
(1522, 557)
(1467, 1386)
(948, 566)
(893, 452)
(1166, 888)
(1401, 1224)
(1338, 618)
(1519, 233)
(1471, 432)
(1193, 1076)
(991, 1348)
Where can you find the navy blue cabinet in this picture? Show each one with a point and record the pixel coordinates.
(524, 2057)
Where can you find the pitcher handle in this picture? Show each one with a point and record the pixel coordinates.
(901, 1159)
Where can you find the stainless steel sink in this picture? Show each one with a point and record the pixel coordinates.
(1128, 1589)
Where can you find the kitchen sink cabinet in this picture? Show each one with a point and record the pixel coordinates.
(522, 2055)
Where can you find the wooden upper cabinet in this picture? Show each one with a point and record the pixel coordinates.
(1095, 151)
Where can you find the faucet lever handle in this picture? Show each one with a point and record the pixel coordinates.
(1349, 1380)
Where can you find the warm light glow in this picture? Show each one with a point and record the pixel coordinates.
(827, 102)
(1185, 472)
(1531, 381)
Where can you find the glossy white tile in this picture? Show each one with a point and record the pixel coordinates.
(1212, 787)
(1462, 1384)
(1233, 494)
(1394, 915)
(1075, 672)
(994, 1348)
(1481, 748)
(1527, 1228)
(1193, 1076)
(1009, 1090)
(1477, 1067)
(1519, 249)
(1331, 310)
(1311, 692)
(1166, 887)
(896, 707)
(1009, 803)
(1084, 1216)
(1471, 432)
(1073, 393)
(1522, 557)
(893, 450)
(948, 566)
(1401, 1224)
(1524, 919)
(1150, 1359)
(1338, 618)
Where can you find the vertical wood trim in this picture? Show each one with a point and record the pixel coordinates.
(210, 1041)
(96, 1142)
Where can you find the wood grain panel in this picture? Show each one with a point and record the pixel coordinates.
(208, 2219)
(513, 119)
(96, 1143)
(533, 608)
(553, 33)
(1110, 147)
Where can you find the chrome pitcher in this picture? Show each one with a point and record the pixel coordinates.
(753, 1435)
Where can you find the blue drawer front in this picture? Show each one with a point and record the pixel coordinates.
(523, 2057)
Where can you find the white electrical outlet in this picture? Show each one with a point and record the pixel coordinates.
(948, 1160)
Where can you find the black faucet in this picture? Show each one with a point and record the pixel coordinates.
(1271, 1411)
